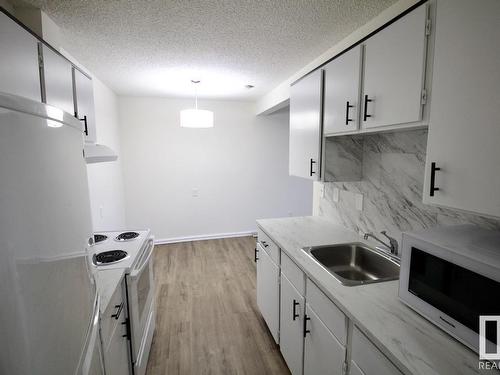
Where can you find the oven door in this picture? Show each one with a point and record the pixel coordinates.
(140, 294)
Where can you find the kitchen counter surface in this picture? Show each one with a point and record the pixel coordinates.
(107, 281)
(412, 343)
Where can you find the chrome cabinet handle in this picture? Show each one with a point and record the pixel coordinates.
(256, 258)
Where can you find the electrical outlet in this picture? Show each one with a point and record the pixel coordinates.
(336, 194)
(101, 211)
(322, 190)
(195, 193)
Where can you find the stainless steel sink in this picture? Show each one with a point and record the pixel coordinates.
(355, 263)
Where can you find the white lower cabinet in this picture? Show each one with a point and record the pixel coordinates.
(291, 326)
(268, 274)
(313, 333)
(116, 358)
(367, 359)
(323, 353)
(114, 335)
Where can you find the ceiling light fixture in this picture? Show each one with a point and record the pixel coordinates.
(196, 118)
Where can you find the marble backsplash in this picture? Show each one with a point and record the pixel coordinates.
(390, 185)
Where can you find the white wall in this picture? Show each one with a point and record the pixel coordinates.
(240, 168)
(106, 179)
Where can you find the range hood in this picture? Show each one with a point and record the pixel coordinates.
(97, 153)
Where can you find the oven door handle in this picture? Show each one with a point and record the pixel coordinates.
(136, 271)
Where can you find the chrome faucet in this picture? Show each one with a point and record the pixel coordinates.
(392, 245)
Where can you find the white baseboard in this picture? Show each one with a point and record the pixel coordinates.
(162, 241)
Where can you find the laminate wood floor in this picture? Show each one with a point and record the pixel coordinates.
(207, 316)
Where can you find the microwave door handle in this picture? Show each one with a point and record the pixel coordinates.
(139, 269)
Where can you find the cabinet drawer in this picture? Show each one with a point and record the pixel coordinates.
(108, 321)
(269, 246)
(293, 273)
(368, 358)
(326, 310)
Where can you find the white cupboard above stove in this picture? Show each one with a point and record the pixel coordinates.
(57, 81)
(33, 69)
(19, 68)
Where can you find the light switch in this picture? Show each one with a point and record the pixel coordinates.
(336, 193)
(195, 192)
(101, 211)
(322, 190)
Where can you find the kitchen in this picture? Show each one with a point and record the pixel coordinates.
(182, 193)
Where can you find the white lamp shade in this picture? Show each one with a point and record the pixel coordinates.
(197, 118)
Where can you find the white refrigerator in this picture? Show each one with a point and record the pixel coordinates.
(48, 301)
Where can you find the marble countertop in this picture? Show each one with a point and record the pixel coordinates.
(411, 342)
(107, 281)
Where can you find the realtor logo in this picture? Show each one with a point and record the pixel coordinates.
(489, 351)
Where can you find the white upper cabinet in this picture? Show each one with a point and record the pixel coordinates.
(464, 129)
(306, 126)
(342, 92)
(19, 73)
(84, 104)
(394, 69)
(58, 79)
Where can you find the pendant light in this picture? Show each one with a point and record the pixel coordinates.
(196, 118)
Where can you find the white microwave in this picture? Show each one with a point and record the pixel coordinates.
(451, 276)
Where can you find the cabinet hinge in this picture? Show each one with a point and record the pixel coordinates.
(423, 97)
(428, 24)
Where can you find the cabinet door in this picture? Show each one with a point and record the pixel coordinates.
(58, 81)
(394, 62)
(464, 132)
(323, 354)
(291, 325)
(19, 72)
(84, 103)
(268, 291)
(305, 126)
(368, 358)
(116, 358)
(115, 342)
(342, 87)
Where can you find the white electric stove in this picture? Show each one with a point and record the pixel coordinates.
(133, 252)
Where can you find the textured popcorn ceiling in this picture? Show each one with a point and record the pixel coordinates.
(155, 47)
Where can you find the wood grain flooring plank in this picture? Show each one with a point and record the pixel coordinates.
(207, 316)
